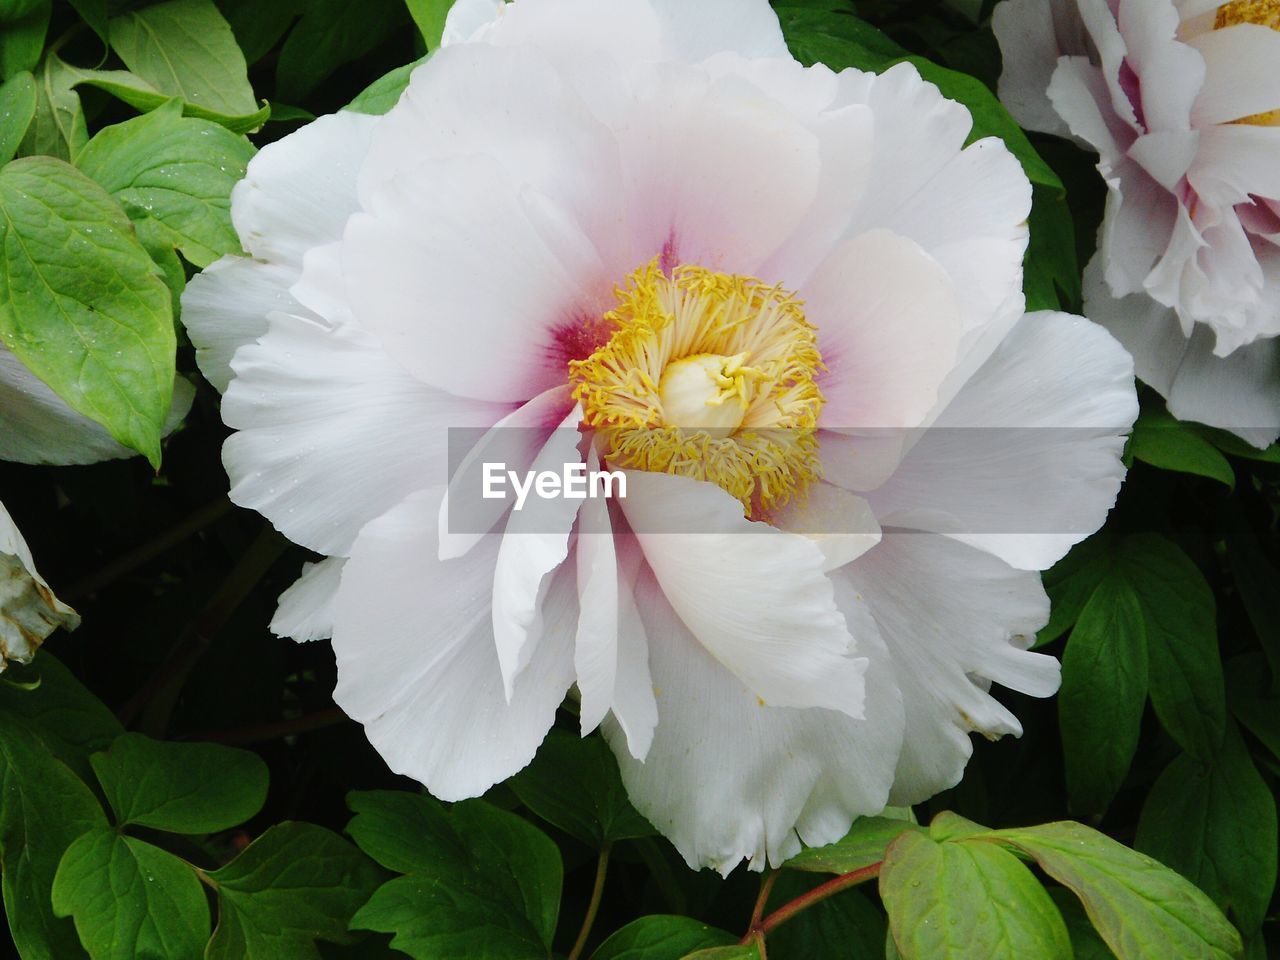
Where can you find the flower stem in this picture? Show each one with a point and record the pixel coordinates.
(761, 928)
(766, 887)
(597, 894)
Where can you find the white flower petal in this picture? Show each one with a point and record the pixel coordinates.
(1025, 461)
(467, 20)
(417, 663)
(728, 778)
(842, 525)
(754, 596)
(952, 618)
(1032, 35)
(888, 327)
(332, 432)
(1241, 77)
(29, 611)
(305, 611)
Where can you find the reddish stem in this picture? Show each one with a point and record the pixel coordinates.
(762, 928)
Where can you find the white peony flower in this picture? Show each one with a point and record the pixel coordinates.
(622, 220)
(1181, 99)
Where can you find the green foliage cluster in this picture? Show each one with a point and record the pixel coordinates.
(123, 128)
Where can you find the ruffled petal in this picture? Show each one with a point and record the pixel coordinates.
(1026, 461)
(728, 778)
(417, 664)
(29, 611)
(954, 619)
(305, 611)
(1032, 35)
(333, 432)
(755, 597)
(1241, 77)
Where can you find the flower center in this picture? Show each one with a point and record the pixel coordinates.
(1264, 13)
(709, 376)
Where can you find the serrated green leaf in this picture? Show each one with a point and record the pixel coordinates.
(191, 788)
(22, 34)
(294, 885)
(1141, 908)
(131, 900)
(44, 808)
(1215, 823)
(80, 302)
(863, 845)
(330, 34)
(384, 93)
(58, 129)
(481, 881)
(429, 15)
(661, 937)
(967, 900)
(17, 110)
(184, 48)
(1104, 690)
(573, 783)
(55, 707)
(1178, 609)
(176, 170)
(1162, 441)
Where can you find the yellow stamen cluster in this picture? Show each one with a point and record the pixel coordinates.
(708, 376)
(1264, 13)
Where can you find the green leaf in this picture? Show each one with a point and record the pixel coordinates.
(1246, 678)
(1182, 641)
(294, 885)
(17, 110)
(176, 170)
(1162, 441)
(184, 48)
(480, 881)
(159, 242)
(332, 33)
(192, 788)
(1084, 939)
(1141, 908)
(259, 26)
(430, 15)
(1215, 823)
(749, 951)
(44, 808)
(141, 95)
(58, 129)
(1051, 272)
(1255, 578)
(56, 708)
(130, 899)
(1104, 690)
(384, 93)
(80, 302)
(661, 937)
(95, 14)
(1071, 582)
(967, 900)
(22, 33)
(574, 784)
(863, 845)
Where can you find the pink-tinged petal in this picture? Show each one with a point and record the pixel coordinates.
(1099, 18)
(1026, 460)
(1140, 218)
(534, 543)
(467, 517)
(1032, 35)
(1239, 393)
(225, 306)
(1170, 74)
(1167, 155)
(954, 619)
(888, 328)
(288, 202)
(755, 597)
(417, 663)
(305, 611)
(788, 776)
(333, 432)
(1079, 94)
(1236, 161)
(448, 253)
(37, 426)
(611, 652)
(1241, 78)
(29, 611)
